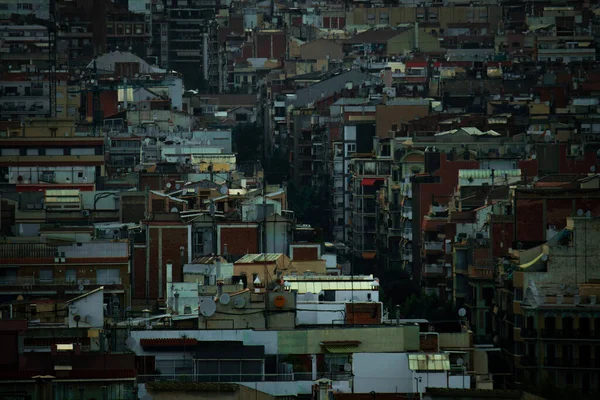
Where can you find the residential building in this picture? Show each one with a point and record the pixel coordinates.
(554, 299)
(63, 271)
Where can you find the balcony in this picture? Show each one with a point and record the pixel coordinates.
(561, 362)
(407, 256)
(433, 246)
(569, 334)
(528, 333)
(407, 234)
(433, 270)
(28, 281)
(481, 272)
(407, 212)
(529, 361)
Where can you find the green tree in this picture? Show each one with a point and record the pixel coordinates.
(427, 307)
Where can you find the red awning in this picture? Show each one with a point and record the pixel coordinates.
(370, 181)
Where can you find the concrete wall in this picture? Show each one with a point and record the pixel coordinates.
(242, 393)
(321, 313)
(389, 373)
(247, 336)
(375, 340)
(90, 310)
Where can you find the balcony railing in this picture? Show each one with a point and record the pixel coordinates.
(433, 246)
(231, 378)
(569, 334)
(561, 362)
(36, 281)
(433, 270)
(528, 333)
(529, 361)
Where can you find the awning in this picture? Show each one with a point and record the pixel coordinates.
(428, 362)
(346, 349)
(532, 262)
(370, 181)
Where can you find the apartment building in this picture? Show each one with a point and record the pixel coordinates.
(185, 40)
(24, 93)
(554, 302)
(61, 271)
(46, 154)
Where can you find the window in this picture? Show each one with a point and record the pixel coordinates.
(71, 276)
(108, 276)
(46, 276)
(351, 148)
(8, 276)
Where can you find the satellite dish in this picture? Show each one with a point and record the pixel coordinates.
(347, 367)
(224, 299)
(130, 343)
(169, 185)
(588, 214)
(462, 312)
(184, 192)
(580, 213)
(177, 186)
(545, 257)
(81, 288)
(460, 361)
(239, 302)
(208, 308)
(223, 190)
(593, 168)
(537, 101)
(174, 210)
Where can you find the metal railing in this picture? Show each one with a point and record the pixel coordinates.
(36, 281)
(239, 377)
(528, 333)
(433, 245)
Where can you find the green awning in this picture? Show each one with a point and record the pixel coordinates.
(347, 349)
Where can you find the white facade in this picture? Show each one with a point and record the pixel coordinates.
(37, 7)
(389, 373)
(251, 210)
(341, 199)
(329, 313)
(55, 174)
(87, 311)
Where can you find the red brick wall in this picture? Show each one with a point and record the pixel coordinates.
(239, 240)
(502, 238)
(305, 253)
(172, 240)
(429, 343)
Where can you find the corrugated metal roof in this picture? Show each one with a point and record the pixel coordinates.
(329, 278)
(64, 192)
(317, 287)
(62, 199)
(258, 258)
(428, 362)
(487, 173)
(347, 349)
